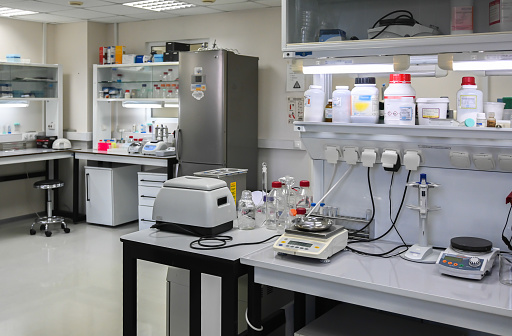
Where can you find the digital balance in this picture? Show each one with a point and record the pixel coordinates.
(467, 257)
(316, 241)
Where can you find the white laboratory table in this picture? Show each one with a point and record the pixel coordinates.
(138, 159)
(35, 155)
(393, 285)
(173, 249)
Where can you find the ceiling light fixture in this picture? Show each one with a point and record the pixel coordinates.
(142, 104)
(481, 61)
(75, 3)
(382, 64)
(14, 103)
(159, 5)
(6, 11)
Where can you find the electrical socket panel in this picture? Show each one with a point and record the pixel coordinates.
(29, 136)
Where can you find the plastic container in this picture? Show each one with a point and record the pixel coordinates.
(274, 204)
(365, 101)
(305, 196)
(158, 58)
(500, 15)
(469, 101)
(314, 104)
(481, 120)
(496, 108)
(507, 111)
(13, 58)
(341, 104)
(246, 212)
(397, 110)
(431, 108)
(462, 17)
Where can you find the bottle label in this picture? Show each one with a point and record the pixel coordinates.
(365, 105)
(468, 102)
(336, 101)
(494, 12)
(430, 113)
(307, 100)
(328, 113)
(406, 113)
(396, 109)
(462, 18)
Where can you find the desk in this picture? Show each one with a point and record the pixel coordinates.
(35, 155)
(173, 250)
(393, 285)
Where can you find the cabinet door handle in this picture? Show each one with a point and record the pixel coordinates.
(87, 187)
(147, 196)
(146, 220)
(152, 181)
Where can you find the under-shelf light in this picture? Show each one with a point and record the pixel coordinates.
(14, 103)
(175, 105)
(359, 65)
(480, 61)
(142, 104)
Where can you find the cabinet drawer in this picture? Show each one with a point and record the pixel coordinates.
(151, 179)
(145, 217)
(147, 195)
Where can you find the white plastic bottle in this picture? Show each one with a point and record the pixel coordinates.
(314, 103)
(469, 102)
(365, 101)
(397, 109)
(341, 104)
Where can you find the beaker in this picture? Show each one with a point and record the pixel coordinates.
(506, 269)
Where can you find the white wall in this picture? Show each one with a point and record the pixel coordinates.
(254, 33)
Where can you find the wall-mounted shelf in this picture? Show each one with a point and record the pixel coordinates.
(20, 80)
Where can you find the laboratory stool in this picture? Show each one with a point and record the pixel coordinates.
(44, 222)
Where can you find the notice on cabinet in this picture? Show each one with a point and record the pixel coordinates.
(294, 77)
(295, 109)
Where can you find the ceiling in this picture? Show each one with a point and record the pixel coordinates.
(113, 11)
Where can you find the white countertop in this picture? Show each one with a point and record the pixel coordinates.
(369, 281)
(32, 154)
(119, 157)
(181, 242)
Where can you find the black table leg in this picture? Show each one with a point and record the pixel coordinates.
(229, 304)
(195, 303)
(56, 193)
(299, 311)
(76, 187)
(253, 302)
(129, 292)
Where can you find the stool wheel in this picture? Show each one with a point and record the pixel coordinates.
(32, 232)
(67, 230)
(48, 233)
(42, 227)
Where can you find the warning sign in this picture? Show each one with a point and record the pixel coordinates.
(294, 78)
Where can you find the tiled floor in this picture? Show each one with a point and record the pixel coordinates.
(71, 284)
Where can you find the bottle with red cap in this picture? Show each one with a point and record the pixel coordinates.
(305, 196)
(470, 102)
(399, 106)
(275, 205)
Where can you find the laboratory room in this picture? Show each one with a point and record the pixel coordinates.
(255, 167)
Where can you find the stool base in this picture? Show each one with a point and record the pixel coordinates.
(45, 222)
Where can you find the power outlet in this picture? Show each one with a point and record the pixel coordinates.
(29, 136)
(51, 126)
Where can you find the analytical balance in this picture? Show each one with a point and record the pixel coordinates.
(312, 244)
(467, 257)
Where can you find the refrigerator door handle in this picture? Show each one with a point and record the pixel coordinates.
(177, 170)
(178, 144)
(87, 187)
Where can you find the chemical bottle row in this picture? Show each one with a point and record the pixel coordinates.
(361, 105)
(168, 75)
(157, 91)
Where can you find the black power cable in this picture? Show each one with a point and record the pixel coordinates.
(393, 21)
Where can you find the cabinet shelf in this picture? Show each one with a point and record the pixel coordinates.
(165, 100)
(138, 82)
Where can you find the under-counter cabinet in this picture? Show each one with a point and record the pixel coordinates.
(149, 183)
(111, 194)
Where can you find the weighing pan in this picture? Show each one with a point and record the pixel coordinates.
(313, 223)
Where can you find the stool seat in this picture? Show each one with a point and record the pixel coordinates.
(48, 184)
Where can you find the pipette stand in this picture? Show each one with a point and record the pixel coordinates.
(422, 252)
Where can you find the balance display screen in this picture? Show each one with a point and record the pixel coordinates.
(458, 260)
(150, 147)
(293, 242)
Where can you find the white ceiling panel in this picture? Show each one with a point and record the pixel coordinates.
(48, 18)
(86, 3)
(238, 6)
(82, 14)
(116, 19)
(154, 16)
(194, 11)
(122, 10)
(271, 3)
(37, 6)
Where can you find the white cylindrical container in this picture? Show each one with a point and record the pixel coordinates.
(365, 101)
(341, 104)
(462, 17)
(431, 108)
(469, 101)
(481, 120)
(399, 88)
(496, 108)
(402, 112)
(500, 15)
(314, 104)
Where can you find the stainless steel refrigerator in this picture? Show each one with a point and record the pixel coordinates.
(218, 114)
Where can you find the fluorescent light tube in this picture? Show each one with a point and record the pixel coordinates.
(481, 65)
(14, 103)
(176, 105)
(159, 5)
(142, 104)
(6, 11)
(347, 68)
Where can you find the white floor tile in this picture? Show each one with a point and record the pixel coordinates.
(71, 284)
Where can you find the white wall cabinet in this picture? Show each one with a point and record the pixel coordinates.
(110, 83)
(31, 83)
(111, 194)
(149, 184)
